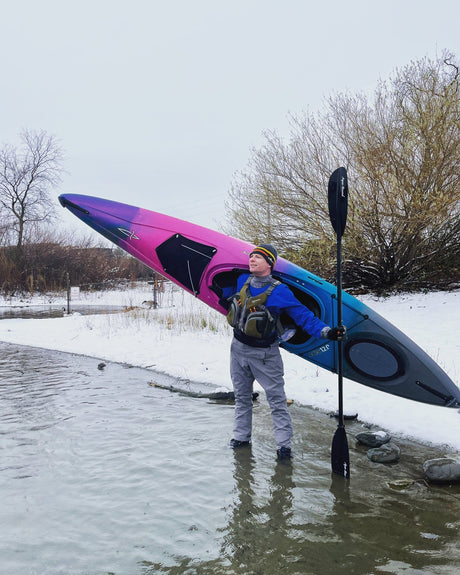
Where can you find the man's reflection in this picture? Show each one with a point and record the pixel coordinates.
(257, 534)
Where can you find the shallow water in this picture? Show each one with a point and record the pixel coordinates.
(102, 473)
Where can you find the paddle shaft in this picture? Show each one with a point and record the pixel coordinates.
(340, 323)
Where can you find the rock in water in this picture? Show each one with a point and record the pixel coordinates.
(401, 484)
(373, 438)
(387, 453)
(442, 470)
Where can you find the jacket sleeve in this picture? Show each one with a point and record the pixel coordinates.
(282, 299)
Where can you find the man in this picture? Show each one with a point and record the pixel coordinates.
(255, 354)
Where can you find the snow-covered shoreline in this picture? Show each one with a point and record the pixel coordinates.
(186, 339)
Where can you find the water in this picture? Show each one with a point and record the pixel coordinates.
(40, 312)
(100, 473)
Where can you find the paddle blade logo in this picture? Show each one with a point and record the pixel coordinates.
(338, 200)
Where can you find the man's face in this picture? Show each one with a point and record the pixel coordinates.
(259, 266)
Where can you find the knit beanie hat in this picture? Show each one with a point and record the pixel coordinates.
(268, 252)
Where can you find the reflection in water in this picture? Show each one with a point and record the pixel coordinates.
(284, 519)
(260, 530)
(101, 473)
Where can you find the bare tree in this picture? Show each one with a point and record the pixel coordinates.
(402, 152)
(27, 175)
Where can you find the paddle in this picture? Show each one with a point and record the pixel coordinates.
(338, 206)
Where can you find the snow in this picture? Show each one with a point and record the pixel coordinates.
(188, 340)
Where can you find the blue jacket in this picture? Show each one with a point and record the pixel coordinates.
(282, 299)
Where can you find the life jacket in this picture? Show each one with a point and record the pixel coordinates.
(248, 314)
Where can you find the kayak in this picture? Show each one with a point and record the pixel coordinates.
(205, 262)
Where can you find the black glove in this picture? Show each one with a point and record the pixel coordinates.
(337, 333)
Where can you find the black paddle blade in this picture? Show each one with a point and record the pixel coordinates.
(340, 458)
(337, 195)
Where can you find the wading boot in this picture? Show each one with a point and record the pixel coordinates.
(236, 443)
(283, 453)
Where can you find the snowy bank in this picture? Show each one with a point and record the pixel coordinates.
(188, 340)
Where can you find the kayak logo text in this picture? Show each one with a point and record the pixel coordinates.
(322, 349)
(128, 233)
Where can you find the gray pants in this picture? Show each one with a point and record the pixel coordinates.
(266, 366)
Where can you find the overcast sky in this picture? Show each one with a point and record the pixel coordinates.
(158, 103)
